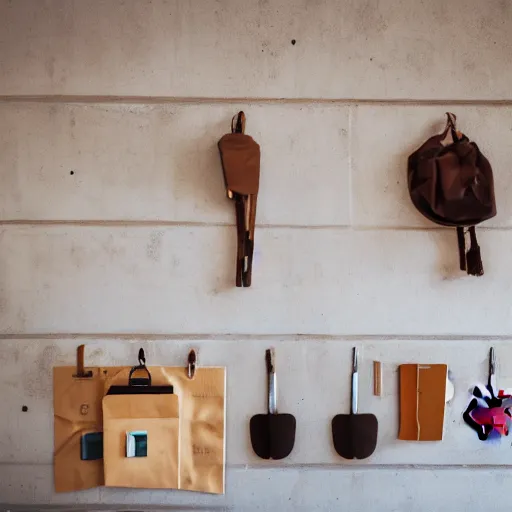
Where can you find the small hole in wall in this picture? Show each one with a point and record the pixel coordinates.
(294, 41)
(71, 172)
(24, 408)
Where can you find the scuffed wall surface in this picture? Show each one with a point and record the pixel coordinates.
(115, 230)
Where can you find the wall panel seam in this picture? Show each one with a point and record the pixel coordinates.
(185, 224)
(345, 467)
(297, 337)
(86, 99)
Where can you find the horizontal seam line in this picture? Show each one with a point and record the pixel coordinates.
(187, 224)
(70, 98)
(252, 337)
(343, 466)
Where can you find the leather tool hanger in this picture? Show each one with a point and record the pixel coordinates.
(240, 157)
(272, 434)
(355, 435)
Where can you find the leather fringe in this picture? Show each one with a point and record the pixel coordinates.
(473, 256)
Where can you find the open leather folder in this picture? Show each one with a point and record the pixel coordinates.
(198, 400)
(422, 401)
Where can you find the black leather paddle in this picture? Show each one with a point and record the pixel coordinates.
(272, 434)
(354, 435)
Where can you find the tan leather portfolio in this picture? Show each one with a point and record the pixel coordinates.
(422, 401)
(194, 418)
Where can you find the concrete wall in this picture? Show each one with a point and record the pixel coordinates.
(115, 230)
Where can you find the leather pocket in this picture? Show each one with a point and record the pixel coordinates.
(152, 421)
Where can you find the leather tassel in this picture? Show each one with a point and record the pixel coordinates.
(473, 257)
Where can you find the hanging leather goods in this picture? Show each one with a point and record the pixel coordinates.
(451, 183)
(240, 157)
(140, 426)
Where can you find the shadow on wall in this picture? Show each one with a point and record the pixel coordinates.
(198, 171)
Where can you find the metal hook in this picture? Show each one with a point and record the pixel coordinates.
(492, 372)
(492, 361)
(192, 361)
(142, 357)
(355, 362)
(132, 381)
(270, 360)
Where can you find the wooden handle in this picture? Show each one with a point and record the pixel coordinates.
(377, 378)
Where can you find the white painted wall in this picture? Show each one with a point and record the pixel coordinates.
(136, 247)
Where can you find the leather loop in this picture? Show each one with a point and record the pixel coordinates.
(80, 365)
(451, 125)
(238, 123)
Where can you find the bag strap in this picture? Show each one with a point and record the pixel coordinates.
(470, 261)
(462, 248)
(245, 212)
(451, 126)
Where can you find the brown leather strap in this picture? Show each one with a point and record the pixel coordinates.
(80, 366)
(245, 208)
(249, 246)
(240, 157)
(451, 125)
(462, 247)
(240, 238)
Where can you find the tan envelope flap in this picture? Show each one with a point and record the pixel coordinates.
(77, 399)
(140, 406)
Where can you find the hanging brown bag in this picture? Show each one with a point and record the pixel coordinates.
(451, 183)
(240, 158)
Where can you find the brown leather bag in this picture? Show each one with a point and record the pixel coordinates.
(451, 183)
(240, 157)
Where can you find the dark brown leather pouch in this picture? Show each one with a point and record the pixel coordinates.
(451, 183)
